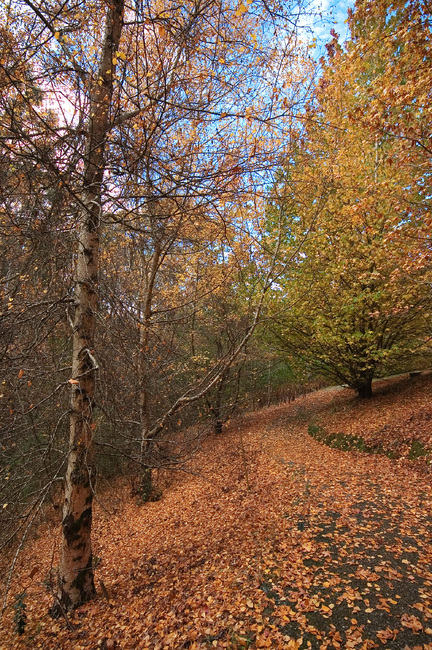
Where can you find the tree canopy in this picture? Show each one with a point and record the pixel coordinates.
(357, 303)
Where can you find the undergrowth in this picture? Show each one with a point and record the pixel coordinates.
(348, 442)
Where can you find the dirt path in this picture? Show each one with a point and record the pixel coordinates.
(364, 527)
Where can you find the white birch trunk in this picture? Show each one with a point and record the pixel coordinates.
(75, 578)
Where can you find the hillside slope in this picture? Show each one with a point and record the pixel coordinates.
(272, 540)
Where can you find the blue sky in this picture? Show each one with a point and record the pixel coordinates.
(334, 14)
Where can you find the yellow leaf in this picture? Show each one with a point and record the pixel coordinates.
(241, 10)
(293, 645)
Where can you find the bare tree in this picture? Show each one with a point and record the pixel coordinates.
(152, 123)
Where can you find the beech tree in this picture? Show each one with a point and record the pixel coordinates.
(393, 101)
(357, 303)
(159, 291)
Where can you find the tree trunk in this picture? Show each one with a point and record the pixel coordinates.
(215, 407)
(145, 483)
(75, 577)
(147, 443)
(364, 388)
(146, 487)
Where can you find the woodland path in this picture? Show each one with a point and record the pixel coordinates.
(326, 549)
(364, 528)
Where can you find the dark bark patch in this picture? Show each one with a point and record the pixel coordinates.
(72, 529)
(364, 388)
(80, 477)
(84, 582)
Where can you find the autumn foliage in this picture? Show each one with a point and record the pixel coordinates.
(197, 217)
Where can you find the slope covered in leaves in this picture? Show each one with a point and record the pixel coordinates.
(399, 419)
(326, 549)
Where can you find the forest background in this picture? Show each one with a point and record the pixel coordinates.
(197, 218)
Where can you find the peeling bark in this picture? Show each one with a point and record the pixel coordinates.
(75, 577)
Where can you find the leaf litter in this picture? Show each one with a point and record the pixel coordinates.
(327, 549)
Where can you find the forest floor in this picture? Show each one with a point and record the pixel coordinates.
(273, 540)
